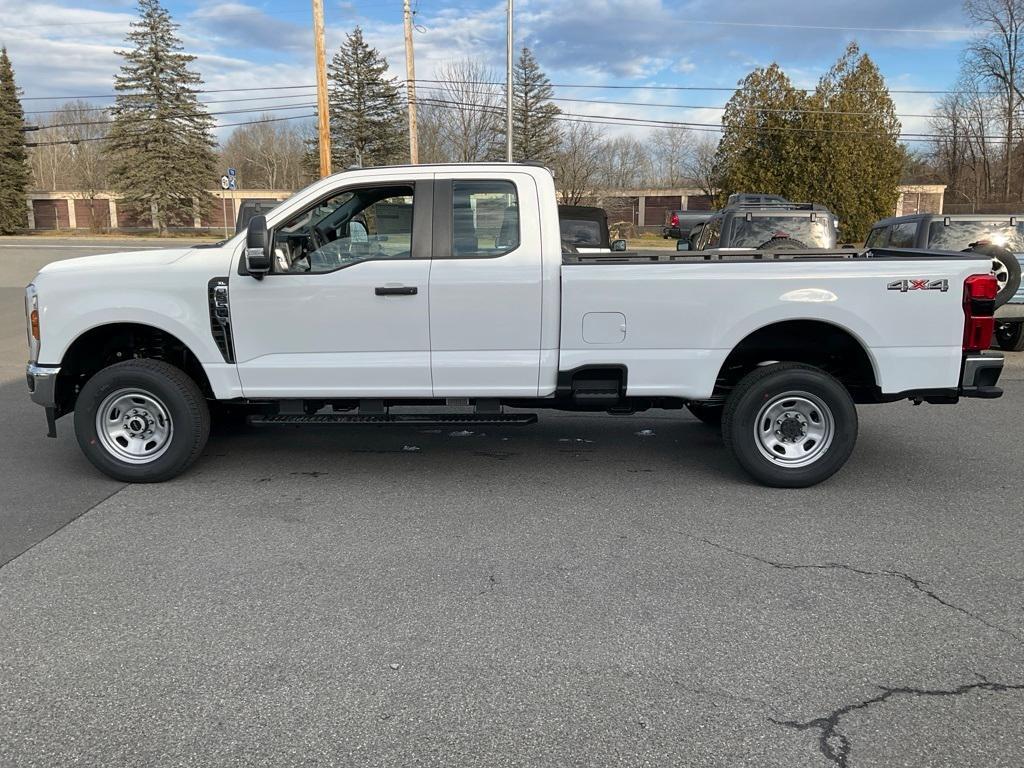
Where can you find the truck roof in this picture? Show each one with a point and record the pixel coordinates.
(951, 216)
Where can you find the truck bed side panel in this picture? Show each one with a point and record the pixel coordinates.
(682, 320)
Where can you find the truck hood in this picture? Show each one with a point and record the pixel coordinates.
(121, 260)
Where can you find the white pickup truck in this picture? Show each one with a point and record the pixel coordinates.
(446, 285)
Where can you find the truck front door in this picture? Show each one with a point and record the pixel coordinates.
(344, 311)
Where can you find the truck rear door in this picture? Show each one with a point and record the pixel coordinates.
(485, 285)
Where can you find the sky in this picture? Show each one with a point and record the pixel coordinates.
(67, 49)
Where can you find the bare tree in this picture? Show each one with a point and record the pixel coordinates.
(701, 165)
(267, 155)
(996, 56)
(467, 110)
(88, 168)
(71, 154)
(671, 149)
(432, 144)
(576, 162)
(49, 157)
(624, 163)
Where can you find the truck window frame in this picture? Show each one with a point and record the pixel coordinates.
(444, 219)
(419, 242)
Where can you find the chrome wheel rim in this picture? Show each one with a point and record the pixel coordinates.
(134, 426)
(794, 429)
(1000, 272)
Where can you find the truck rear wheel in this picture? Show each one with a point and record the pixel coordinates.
(790, 425)
(141, 421)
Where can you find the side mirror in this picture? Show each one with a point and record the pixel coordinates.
(682, 245)
(257, 247)
(618, 245)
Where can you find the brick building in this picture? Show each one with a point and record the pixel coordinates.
(71, 210)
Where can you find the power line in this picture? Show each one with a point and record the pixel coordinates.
(134, 19)
(691, 87)
(718, 107)
(207, 101)
(178, 116)
(198, 90)
(223, 125)
(828, 28)
(695, 126)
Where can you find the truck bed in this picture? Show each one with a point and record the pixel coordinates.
(673, 326)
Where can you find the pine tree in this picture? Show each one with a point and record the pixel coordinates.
(161, 141)
(534, 118)
(13, 158)
(368, 126)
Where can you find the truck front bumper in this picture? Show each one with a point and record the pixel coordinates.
(42, 386)
(980, 374)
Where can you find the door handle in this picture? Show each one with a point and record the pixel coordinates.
(396, 290)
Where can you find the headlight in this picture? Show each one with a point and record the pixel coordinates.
(32, 322)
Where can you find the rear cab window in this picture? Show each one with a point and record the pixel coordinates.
(485, 219)
(761, 230)
(960, 234)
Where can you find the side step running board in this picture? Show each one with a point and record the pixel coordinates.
(420, 419)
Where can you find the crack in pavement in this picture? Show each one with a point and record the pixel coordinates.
(915, 583)
(835, 745)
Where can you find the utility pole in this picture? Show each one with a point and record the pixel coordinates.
(322, 110)
(410, 85)
(508, 86)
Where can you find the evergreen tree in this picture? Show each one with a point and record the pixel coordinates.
(854, 140)
(368, 126)
(839, 146)
(534, 118)
(161, 141)
(13, 159)
(759, 151)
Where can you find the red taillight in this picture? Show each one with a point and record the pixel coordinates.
(981, 287)
(675, 220)
(979, 307)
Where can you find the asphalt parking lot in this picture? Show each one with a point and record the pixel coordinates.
(591, 591)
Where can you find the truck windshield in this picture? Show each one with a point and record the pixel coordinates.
(959, 235)
(762, 229)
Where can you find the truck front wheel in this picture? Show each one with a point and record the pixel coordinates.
(141, 421)
(790, 425)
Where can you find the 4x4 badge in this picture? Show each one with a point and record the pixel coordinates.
(918, 285)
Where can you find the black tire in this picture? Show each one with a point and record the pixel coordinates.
(709, 414)
(172, 390)
(810, 388)
(1009, 266)
(1010, 336)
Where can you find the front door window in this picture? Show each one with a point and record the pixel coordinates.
(363, 224)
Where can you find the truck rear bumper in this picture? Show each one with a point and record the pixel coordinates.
(1011, 311)
(981, 374)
